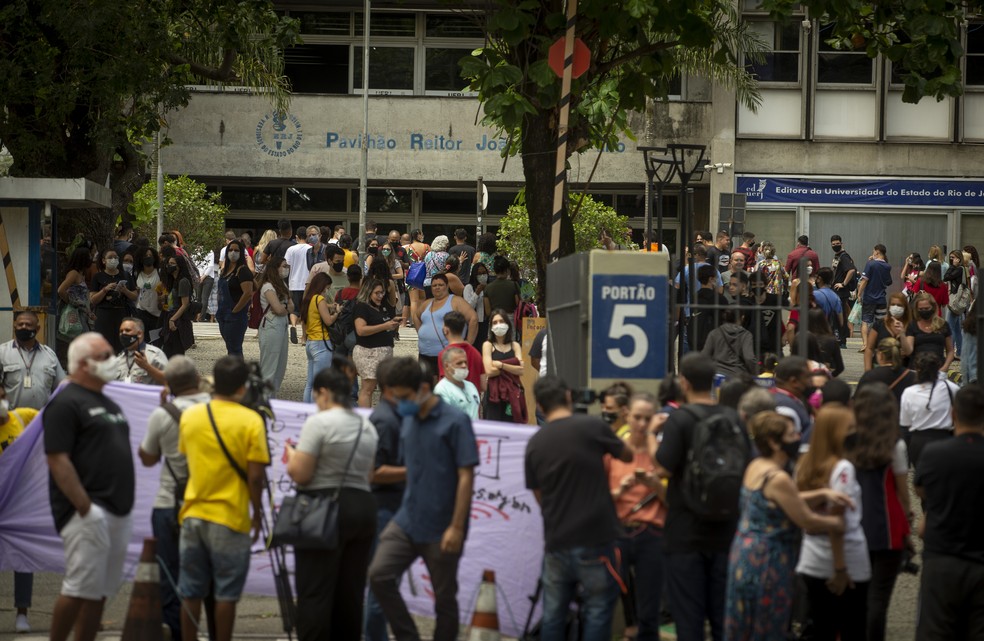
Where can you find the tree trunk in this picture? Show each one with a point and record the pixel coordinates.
(539, 163)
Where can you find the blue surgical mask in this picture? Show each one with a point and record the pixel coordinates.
(407, 407)
(313, 239)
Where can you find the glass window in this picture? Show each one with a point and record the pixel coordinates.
(307, 199)
(389, 68)
(389, 25)
(450, 202)
(782, 62)
(975, 54)
(842, 67)
(631, 205)
(442, 72)
(499, 202)
(317, 68)
(384, 200)
(324, 23)
(445, 25)
(257, 198)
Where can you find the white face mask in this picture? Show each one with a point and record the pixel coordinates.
(500, 329)
(104, 370)
(112, 263)
(128, 267)
(234, 256)
(459, 374)
(284, 273)
(809, 269)
(896, 311)
(483, 279)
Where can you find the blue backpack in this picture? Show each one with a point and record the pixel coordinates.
(416, 275)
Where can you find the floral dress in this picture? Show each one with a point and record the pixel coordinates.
(776, 278)
(760, 571)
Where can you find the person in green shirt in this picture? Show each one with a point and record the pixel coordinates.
(455, 388)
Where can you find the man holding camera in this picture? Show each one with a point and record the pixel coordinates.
(139, 362)
(565, 469)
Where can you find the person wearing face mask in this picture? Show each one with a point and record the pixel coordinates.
(110, 291)
(844, 284)
(474, 295)
(428, 318)
(615, 408)
(440, 455)
(275, 304)
(835, 566)
(90, 462)
(139, 362)
(929, 332)
(802, 250)
(925, 411)
(300, 271)
(31, 371)
(892, 326)
(178, 333)
(149, 291)
(372, 251)
(235, 297)
(455, 328)
(454, 387)
(793, 386)
(759, 604)
(503, 358)
(880, 458)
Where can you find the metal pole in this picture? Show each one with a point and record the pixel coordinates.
(649, 212)
(560, 174)
(979, 306)
(478, 200)
(802, 345)
(682, 294)
(160, 188)
(364, 175)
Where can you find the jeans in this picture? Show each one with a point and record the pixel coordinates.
(589, 568)
(951, 599)
(698, 583)
(23, 589)
(375, 629)
(164, 522)
(642, 554)
(955, 321)
(841, 616)
(232, 326)
(318, 358)
(885, 566)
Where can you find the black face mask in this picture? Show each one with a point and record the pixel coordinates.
(337, 267)
(609, 417)
(24, 335)
(173, 269)
(792, 450)
(128, 340)
(373, 250)
(925, 314)
(837, 248)
(850, 441)
(148, 261)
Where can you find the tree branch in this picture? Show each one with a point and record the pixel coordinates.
(223, 73)
(605, 67)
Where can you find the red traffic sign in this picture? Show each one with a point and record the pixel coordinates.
(582, 58)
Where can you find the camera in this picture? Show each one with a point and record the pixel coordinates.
(258, 391)
(584, 398)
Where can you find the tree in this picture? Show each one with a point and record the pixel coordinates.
(188, 207)
(638, 47)
(514, 238)
(84, 84)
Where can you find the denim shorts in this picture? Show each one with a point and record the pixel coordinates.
(95, 550)
(213, 556)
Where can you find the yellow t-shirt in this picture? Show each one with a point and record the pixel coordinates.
(624, 432)
(314, 325)
(351, 258)
(215, 493)
(19, 419)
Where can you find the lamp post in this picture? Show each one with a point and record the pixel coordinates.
(660, 169)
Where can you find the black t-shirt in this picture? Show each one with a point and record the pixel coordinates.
(685, 531)
(949, 472)
(889, 375)
(465, 265)
(565, 461)
(707, 319)
(764, 323)
(934, 342)
(714, 258)
(113, 299)
(242, 275)
(94, 433)
(372, 316)
(842, 264)
(387, 423)
(277, 248)
(501, 294)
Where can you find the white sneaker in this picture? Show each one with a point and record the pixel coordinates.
(21, 624)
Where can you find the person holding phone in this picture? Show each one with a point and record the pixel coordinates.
(139, 362)
(375, 324)
(108, 296)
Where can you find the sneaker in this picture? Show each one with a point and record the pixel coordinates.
(21, 625)
(293, 334)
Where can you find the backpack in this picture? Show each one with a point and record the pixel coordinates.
(526, 309)
(256, 311)
(179, 486)
(416, 275)
(960, 301)
(342, 331)
(715, 466)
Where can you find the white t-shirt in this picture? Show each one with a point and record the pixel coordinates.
(147, 299)
(816, 557)
(467, 400)
(330, 437)
(296, 257)
(913, 412)
(161, 438)
(900, 458)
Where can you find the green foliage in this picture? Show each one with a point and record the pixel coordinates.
(188, 207)
(514, 238)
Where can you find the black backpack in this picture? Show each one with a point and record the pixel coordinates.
(715, 467)
(342, 331)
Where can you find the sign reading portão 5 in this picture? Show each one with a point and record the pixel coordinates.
(628, 326)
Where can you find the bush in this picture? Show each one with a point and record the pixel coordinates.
(188, 207)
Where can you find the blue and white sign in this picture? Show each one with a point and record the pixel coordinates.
(628, 326)
(934, 193)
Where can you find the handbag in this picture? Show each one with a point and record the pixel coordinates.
(854, 318)
(961, 300)
(416, 275)
(69, 323)
(310, 521)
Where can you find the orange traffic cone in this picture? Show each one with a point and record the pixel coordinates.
(143, 620)
(485, 620)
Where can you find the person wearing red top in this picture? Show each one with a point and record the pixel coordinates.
(454, 329)
(748, 248)
(932, 283)
(802, 250)
(354, 274)
(640, 503)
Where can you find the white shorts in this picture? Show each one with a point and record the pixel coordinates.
(95, 550)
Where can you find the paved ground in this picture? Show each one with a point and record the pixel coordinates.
(258, 617)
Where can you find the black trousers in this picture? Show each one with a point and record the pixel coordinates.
(331, 584)
(951, 596)
(885, 566)
(844, 615)
(918, 439)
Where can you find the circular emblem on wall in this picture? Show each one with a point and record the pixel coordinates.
(279, 135)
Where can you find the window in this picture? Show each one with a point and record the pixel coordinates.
(443, 25)
(322, 23)
(391, 25)
(450, 202)
(390, 69)
(308, 199)
(782, 62)
(316, 68)
(442, 73)
(257, 198)
(838, 67)
(975, 54)
(392, 201)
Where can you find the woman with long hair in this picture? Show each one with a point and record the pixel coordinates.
(276, 305)
(474, 295)
(879, 457)
(910, 273)
(109, 296)
(931, 281)
(894, 324)
(178, 334)
(316, 315)
(890, 370)
(763, 554)
(835, 567)
(925, 409)
(149, 288)
(829, 344)
(485, 250)
(74, 288)
(258, 254)
(956, 275)
(335, 456)
(773, 271)
(376, 323)
(235, 297)
(503, 359)
(929, 332)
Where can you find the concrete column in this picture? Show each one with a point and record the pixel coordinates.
(722, 148)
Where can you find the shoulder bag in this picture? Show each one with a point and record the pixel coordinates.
(179, 486)
(310, 521)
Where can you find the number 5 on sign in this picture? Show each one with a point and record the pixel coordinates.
(628, 326)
